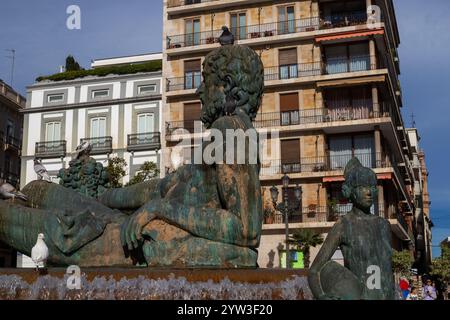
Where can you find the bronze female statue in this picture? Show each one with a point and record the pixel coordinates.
(365, 242)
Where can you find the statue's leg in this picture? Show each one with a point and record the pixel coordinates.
(173, 247)
(51, 196)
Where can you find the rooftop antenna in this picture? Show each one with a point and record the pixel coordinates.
(13, 58)
(413, 120)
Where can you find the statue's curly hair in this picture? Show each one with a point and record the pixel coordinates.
(239, 70)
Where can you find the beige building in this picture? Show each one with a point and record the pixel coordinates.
(331, 90)
(11, 103)
(423, 222)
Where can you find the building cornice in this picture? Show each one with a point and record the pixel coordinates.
(92, 79)
(92, 104)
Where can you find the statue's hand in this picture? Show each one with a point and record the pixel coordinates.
(131, 231)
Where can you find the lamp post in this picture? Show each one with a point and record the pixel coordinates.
(286, 209)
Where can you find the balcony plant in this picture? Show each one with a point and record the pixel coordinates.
(255, 35)
(269, 214)
(268, 33)
(210, 40)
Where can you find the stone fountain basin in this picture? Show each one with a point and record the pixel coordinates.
(151, 284)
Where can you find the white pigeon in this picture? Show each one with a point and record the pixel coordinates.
(84, 148)
(39, 253)
(41, 171)
(7, 191)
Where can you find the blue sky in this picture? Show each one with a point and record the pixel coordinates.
(37, 31)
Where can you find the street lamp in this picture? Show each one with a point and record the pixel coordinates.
(286, 208)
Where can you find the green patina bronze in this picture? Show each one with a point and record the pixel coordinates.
(86, 176)
(200, 215)
(365, 242)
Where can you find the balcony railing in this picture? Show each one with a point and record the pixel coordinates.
(294, 71)
(144, 141)
(307, 214)
(178, 126)
(50, 149)
(100, 145)
(323, 163)
(306, 164)
(320, 115)
(180, 3)
(343, 20)
(314, 213)
(268, 29)
(12, 142)
(184, 83)
(245, 32)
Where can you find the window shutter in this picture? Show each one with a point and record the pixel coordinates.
(290, 151)
(289, 102)
(287, 57)
(192, 65)
(192, 111)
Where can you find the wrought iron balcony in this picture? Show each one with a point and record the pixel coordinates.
(266, 29)
(186, 126)
(323, 163)
(308, 164)
(321, 115)
(12, 143)
(244, 32)
(50, 149)
(144, 141)
(180, 3)
(308, 214)
(184, 83)
(343, 20)
(100, 145)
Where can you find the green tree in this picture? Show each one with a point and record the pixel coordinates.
(147, 171)
(116, 170)
(72, 65)
(441, 266)
(402, 262)
(303, 240)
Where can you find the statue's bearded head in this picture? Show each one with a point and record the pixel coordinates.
(233, 80)
(360, 185)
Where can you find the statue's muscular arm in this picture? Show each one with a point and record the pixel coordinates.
(237, 222)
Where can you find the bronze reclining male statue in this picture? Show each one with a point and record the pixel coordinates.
(200, 215)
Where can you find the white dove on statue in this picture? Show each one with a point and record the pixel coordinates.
(41, 171)
(39, 253)
(84, 148)
(7, 191)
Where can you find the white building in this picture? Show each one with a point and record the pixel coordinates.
(120, 114)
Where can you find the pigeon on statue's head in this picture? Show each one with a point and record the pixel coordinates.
(41, 171)
(7, 191)
(227, 38)
(39, 253)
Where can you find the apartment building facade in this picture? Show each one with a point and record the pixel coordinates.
(423, 221)
(11, 103)
(119, 114)
(331, 91)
